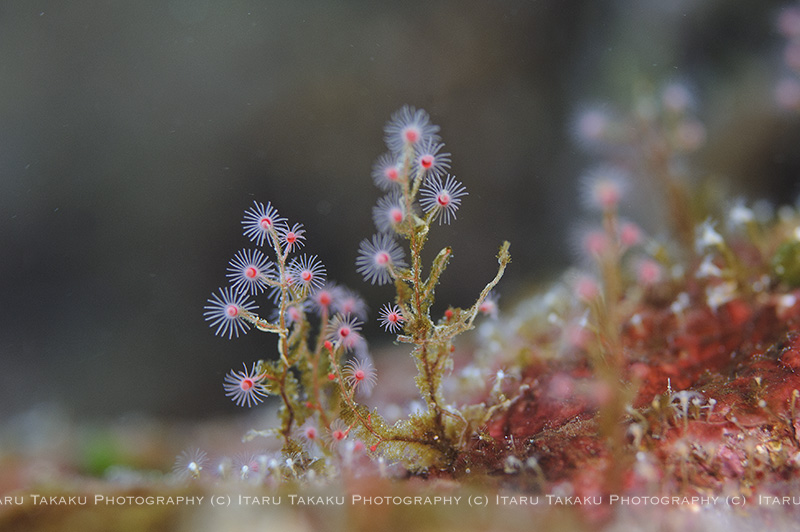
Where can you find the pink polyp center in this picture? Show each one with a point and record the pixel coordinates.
(587, 289)
(338, 435)
(630, 234)
(397, 215)
(609, 198)
(306, 276)
(291, 238)
(344, 332)
(392, 174)
(649, 272)
(596, 243)
(265, 222)
(382, 258)
(251, 272)
(608, 194)
(232, 311)
(359, 375)
(311, 433)
(411, 135)
(246, 384)
(393, 317)
(443, 199)
(426, 161)
(325, 299)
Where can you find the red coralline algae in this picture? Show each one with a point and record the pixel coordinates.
(713, 400)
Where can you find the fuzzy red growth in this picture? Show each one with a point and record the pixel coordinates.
(331, 376)
(328, 345)
(791, 359)
(732, 375)
(448, 314)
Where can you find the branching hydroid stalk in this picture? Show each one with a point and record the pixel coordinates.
(319, 384)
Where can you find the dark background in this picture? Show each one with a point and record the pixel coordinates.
(134, 134)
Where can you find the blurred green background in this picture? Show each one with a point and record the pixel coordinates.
(134, 134)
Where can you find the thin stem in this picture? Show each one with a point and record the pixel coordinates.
(416, 272)
(432, 392)
(283, 338)
(503, 258)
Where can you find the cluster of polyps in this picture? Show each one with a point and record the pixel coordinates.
(295, 284)
(419, 193)
(414, 169)
(316, 386)
(298, 290)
